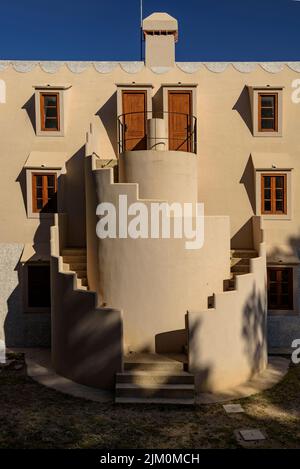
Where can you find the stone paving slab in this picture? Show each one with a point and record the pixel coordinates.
(252, 434)
(233, 408)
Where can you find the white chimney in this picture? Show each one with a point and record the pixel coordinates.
(161, 33)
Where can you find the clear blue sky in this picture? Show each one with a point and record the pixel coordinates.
(209, 30)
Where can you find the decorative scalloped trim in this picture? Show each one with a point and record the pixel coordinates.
(295, 66)
(24, 66)
(78, 67)
(189, 67)
(160, 70)
(137, 66)
(132, 67)
(244, 67)
(3, 64)
(216, 67)
(105, 67)
(272, 67)
(51, 66)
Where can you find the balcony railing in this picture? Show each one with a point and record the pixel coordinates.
(164, 131)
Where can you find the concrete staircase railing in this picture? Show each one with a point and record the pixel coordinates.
(87, 340)
(227, 344)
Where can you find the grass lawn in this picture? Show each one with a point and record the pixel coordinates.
(33, 416)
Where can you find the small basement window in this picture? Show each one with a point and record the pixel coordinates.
(38, 287)
(44, 192)
(280, 288)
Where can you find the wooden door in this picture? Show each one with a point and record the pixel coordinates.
(180, 113)
(134, 120)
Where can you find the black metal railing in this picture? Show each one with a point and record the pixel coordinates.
(183, 129)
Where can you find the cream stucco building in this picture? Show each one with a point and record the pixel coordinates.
(75, 134)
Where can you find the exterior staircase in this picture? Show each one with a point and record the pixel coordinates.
(240, 265)
(74, 260)
(155, 379)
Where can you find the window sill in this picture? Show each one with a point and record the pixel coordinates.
(267, 134)
(50, 133)
(282, 312)
(37, 310)
(41, 216)
(275, 217)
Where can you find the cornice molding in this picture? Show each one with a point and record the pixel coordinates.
(23, 66)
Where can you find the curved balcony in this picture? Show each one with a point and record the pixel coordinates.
(165, 131)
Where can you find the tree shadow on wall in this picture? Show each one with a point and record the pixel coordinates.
(254, 330)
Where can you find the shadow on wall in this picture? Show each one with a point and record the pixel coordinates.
(29, 107)
(106, 113)
(294, 242)
(157, 104)
(254, 331)
(87, 342)
(171, 341)
(242, 106)
(202, 373)
(21, 179)
(243, 238)
(23, 329)
(74, 199)
(249, 182)
(242, 349)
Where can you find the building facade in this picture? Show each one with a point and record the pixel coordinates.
(76, 134)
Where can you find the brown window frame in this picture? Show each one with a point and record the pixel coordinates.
(279, 305)
(273, 199)
(275, 118)
(43, 117)
(45, 197)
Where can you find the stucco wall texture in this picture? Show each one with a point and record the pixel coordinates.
(221, 176)
(18, 329)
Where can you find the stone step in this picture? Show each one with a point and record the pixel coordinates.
(240, 269)
(145, 378)
(77, 266)
(229, 284)
(74, 267)
(73, 252)
(83, 281)
(169, 391)
(154, 400)
(161, 367)
(71, 259)
(80, 285)
(243, 253)
(239, 261)
(80, 273)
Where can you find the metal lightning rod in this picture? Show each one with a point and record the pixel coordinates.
(141, 12)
